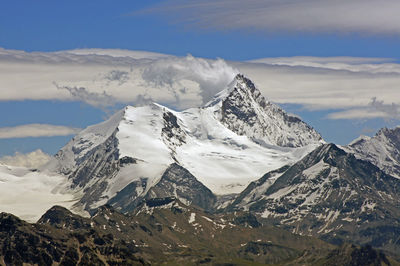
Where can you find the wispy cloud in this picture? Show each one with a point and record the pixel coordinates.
(306, 60)
(343, 16)
(92, 98)
(393, 110)
(354, 64)
(36, 130)
(208, 77)
(374, 109)
(337, 86)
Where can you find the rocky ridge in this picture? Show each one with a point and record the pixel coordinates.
(332, 195)
(164, 230)
(382, 150)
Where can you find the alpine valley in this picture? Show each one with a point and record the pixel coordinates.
(237, 181)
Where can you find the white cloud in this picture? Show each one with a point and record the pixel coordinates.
(375, 109)
(118, 53)
(354, 64)
(325, 87)
(305, 60)
(32, 160)
(93, 98)
(209, 76)
(344, 16)
(102, 79)
(361, 113)
(36, 130)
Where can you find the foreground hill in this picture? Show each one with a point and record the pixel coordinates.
(164, 231)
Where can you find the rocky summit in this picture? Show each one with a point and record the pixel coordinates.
(383, 150)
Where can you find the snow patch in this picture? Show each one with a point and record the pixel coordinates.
(315, 170)
(192, 218)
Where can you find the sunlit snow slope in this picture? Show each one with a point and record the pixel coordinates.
(28, 194)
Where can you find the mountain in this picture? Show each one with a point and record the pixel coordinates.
(176, 181)
(244, 110)
(220, 148)
(43, 243)
(165, 231)
(332, 195)
(383, 150)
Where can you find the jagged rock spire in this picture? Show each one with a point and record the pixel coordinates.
(244, 110)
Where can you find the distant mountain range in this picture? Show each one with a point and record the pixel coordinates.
(173, 182)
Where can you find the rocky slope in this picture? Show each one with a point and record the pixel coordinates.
(332, 195)
(164, 231)
(43, 244)
(176, 181)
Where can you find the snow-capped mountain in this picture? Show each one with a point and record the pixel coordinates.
(383, 150)
(330, 194)
(224, 145)
(243, 109)
(176, 181)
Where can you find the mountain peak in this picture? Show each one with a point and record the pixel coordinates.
(245, 84)
(381, 150)
(63, 218)
(326, 152)
(239, 85)
(393, 134)
(243, 109)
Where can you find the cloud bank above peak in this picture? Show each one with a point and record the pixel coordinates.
(310, 16)
(351, 87)
(103, 78)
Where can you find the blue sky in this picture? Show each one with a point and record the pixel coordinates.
(62, 25)
(207, 29)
